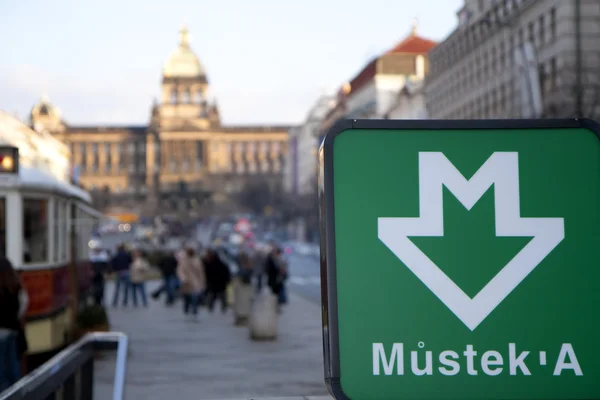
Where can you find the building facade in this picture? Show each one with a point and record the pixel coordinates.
(301, 163)
(410, 103)
(375, 88)
(518, 59)
(184, 158)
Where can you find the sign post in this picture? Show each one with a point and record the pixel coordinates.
(461, 259)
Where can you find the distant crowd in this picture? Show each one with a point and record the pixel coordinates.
(196, 279)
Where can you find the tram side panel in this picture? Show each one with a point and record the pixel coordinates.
(50, 319)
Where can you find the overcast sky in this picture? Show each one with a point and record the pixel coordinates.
(267, 61)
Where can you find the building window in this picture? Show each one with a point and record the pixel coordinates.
(520, 35)
(185, 97)
(35, 230)
(553, 24)
(108, 159)
(553, 74)
(199, 97)
(543, 76)
(542, 32)
(174, 96)
(264, 166)
(531, 34)
(200, 152)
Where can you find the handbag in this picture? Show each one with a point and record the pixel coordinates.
(185, 287)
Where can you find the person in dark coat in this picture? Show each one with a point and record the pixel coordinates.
(245, 271)
(121, 264)
(13, 305)
(168, 270)
(218, 277)
(276, 273)
(100, 260)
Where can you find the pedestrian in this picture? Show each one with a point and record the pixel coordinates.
(276, 271)
(245, 270)
(121, 264)
(139, 268)
(100, 263)
(218, 276)
(14, 301)
(168, 270)
(190, 272)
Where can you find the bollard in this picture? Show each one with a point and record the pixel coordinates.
(264, 316)
(243, 294)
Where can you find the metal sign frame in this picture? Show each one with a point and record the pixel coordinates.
(329, 307)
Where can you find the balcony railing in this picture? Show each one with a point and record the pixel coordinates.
(70, 374)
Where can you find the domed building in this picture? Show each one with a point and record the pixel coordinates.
(184, 159)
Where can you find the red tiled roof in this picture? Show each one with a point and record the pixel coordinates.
(364, 76)
(413, 44)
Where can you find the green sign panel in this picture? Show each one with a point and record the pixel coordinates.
(461, 259)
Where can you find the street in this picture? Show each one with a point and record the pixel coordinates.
(211, 358)
(305, 278)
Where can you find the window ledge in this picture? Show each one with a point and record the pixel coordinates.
(43, 265)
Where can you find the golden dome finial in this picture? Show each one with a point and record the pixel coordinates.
(184, 36)
(414, 26)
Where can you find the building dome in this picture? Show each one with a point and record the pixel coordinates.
(45, 108)
(183, 63)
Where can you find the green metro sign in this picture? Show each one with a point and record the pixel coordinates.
(461, 259)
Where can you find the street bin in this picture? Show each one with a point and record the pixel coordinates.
(264, 315)
(243, 294)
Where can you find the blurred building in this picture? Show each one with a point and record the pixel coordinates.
(335, 113)
(518, 59)
(410, 103)
(301, 161)
(183, 158)
(373, 91)
(36, 149)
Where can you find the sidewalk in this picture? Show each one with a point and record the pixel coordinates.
(212, 359)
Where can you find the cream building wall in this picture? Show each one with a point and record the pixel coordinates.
(301, 161)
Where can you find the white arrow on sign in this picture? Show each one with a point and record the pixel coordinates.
(500, 170)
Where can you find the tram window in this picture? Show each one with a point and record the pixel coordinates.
(56, 229)
(60, 231)
(3, 226)
(64, 208)
(35, 230)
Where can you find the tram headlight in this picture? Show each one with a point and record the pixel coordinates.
(8, 163)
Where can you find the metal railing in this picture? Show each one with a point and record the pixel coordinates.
(70, 374)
